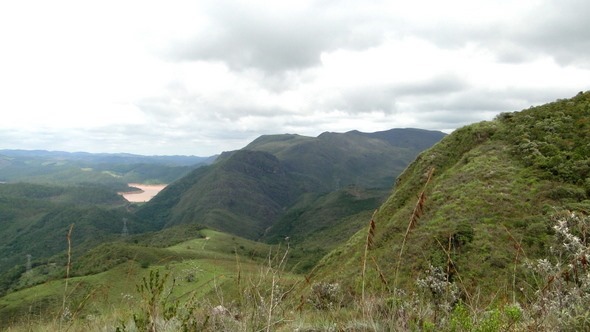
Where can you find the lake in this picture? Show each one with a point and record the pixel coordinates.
(147, 192)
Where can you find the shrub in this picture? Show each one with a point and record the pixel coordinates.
(561, 301)
(325, 295)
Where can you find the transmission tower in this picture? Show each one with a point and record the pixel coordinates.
(125, 231)
(29, 265)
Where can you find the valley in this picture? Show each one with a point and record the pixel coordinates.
(483, 229)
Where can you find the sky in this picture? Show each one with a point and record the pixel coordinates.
(202, 77)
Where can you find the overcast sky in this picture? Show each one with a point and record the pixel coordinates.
(202, 77)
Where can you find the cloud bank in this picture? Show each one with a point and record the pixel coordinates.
(201, 77)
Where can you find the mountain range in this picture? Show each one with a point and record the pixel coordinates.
(247, 192)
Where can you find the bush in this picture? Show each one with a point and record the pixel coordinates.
(325, 295)
(562, 298)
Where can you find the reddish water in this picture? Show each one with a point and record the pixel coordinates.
(146, 193)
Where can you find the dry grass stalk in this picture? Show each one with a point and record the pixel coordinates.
(266, 298)
(371, 233)
(68, 266)
(69, 238)
(519, 250)
(381, 275)
(368, 246)
(451, 263)
(416, 214)
(239, 272)
(419, 208)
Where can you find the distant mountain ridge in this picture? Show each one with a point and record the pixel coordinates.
(119, 158)
(245, 192)
(405, 137)
(111, 169)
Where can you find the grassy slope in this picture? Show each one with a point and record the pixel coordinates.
(488, 189)
(202, 267)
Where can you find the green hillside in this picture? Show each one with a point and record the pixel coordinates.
(242, 194)
(247, 191)
(35, 220)
(201, 267)
(318, 223)
(496, 191)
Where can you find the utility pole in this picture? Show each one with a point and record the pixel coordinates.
(29, 265)
(125, 231)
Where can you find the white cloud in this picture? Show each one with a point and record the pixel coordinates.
(200, 77)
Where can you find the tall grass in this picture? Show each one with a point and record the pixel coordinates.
(368, 246)
(556, 298)
(68, 266)
(65, 311)
(416, 214)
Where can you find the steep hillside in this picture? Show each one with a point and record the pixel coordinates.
(242, 194)
(318, 223)
(35, 220)
(490, 203)
(247, 191)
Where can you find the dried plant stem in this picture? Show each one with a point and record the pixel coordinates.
(239, 273)
(449, 260)
(275, 299)
(416, 214)
(519, 250)
(368, 246)
(271, 304)
(69, 238)
(381, 275)
(449, 263)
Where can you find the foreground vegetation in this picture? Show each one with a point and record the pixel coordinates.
(233, 294)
